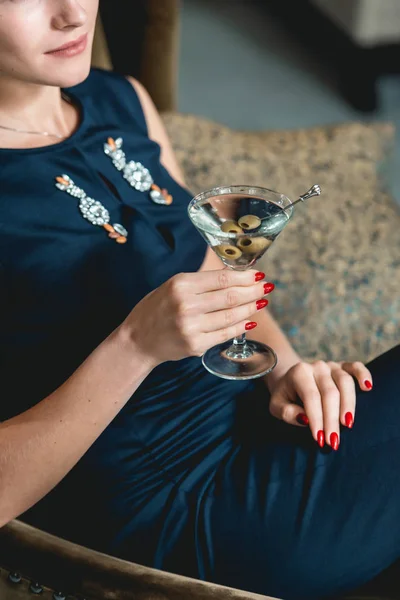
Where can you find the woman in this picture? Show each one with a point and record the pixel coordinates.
(112, 433)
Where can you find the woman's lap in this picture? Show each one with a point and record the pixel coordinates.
(290, 520)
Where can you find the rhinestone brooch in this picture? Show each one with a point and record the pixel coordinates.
(135, 173)
(92, 210)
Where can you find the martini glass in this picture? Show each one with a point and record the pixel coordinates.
(240, 223)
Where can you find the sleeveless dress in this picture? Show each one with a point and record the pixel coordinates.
(192, 476)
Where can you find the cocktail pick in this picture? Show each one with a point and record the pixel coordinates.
(314, 191)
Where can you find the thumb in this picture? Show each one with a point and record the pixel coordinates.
(284, 409)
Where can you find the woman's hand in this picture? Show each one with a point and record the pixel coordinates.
(192, 312)
(321, 395)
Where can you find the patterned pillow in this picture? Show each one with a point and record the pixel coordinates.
(336, 265)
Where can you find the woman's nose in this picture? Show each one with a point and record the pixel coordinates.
(69, 13)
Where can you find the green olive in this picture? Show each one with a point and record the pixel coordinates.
(249, 222)
(227, 251)
(231, 227)
(253, 245)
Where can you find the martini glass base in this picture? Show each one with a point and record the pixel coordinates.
(251, 361)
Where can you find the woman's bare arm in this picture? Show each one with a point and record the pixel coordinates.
(40, 446)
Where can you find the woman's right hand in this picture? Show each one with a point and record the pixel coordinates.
(191, 312)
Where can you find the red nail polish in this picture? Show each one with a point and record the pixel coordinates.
(261, 304)
(259, 275)
(268, 287)
(250, 325)
(321, 438)
(368, 384)
(348, 419)
(334, 439)
(302, 419)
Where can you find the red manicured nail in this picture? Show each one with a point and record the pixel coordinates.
(334, 439)
(259, 275)
(261, 304)
(250, 325)
(268, 287)
(321, 438)
(348, 419)
(302, 419)
(368, 384)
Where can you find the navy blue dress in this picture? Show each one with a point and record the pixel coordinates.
(193, 476)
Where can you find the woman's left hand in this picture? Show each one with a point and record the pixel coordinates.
(321, 395)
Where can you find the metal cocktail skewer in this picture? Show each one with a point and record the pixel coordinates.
(314, 191)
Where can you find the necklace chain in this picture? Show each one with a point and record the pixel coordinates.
(46, 133)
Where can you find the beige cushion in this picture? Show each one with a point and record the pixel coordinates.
(336, 264)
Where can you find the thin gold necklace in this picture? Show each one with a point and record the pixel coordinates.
(46, 133)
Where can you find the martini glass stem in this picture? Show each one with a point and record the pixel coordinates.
(239, 348)
(239, 341)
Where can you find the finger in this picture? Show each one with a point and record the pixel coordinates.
(221, 279)
(330, 398)
(347, 390)
(361, 373)
(293, 414)
(303, 381)
(229, 298)
(228, 333)
(221, 319)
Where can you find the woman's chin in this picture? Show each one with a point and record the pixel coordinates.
(71, 77)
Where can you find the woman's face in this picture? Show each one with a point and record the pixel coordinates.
(31, 31)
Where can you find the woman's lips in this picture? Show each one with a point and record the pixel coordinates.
(71, 49)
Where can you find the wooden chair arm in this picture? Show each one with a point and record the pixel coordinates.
(62, 565)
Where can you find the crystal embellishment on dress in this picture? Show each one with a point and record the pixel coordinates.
(160, 196)
(138, 176)
(135, 173)
(92, 210)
